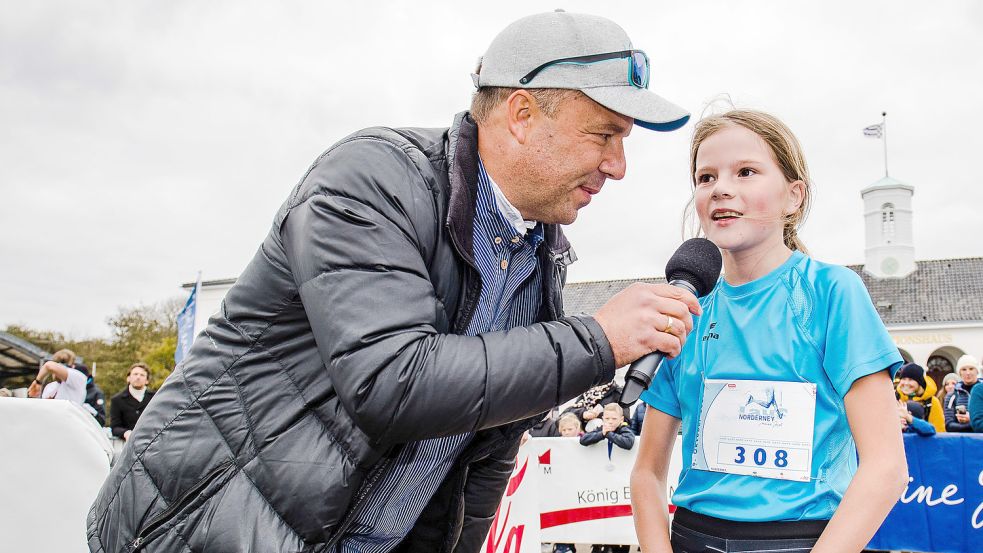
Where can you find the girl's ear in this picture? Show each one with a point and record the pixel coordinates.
(796, 195)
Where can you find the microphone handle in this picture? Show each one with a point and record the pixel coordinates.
(639, 377)
(642, 371)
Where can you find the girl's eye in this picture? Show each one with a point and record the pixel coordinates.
(745, 172)
(704, 179)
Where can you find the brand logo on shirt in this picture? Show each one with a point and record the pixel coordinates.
(711, 335)
(763, 407)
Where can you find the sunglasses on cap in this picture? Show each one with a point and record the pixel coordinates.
(638, 69)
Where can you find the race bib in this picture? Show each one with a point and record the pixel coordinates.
(756, 428)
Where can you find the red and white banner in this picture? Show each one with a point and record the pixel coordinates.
(563, 492)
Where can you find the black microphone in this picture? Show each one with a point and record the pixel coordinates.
(694, 267)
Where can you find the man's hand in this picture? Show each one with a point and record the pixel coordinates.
(34, 390)
(637, 320)
(126, 435)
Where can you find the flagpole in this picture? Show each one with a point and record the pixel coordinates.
(884, 127)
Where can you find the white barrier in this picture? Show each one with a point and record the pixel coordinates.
(563, 492)
(53, 459)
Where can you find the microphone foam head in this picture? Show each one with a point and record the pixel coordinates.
(698, 262)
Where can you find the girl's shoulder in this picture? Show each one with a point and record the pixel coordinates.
(824, 278)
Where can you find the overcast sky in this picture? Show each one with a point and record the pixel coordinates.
(141, 142)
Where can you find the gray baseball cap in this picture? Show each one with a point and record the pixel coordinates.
(580, 52)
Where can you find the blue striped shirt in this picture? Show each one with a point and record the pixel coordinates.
(511, 292)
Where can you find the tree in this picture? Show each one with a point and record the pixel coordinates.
(146, 333)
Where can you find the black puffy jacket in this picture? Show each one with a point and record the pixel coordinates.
(340, 342)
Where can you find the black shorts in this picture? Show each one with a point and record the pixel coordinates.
(696, 533)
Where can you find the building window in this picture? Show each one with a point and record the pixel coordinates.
(887, 222)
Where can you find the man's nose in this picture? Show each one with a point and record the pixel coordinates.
(614, 165)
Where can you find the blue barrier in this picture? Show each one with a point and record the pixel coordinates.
(942, 508)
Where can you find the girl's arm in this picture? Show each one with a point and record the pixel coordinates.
(648, 481)
(882, 473)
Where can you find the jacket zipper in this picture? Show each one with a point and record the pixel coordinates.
(367, 487)
(182, 501)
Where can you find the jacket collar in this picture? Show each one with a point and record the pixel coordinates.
(463, 175)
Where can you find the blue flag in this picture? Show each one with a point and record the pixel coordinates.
(186, 324)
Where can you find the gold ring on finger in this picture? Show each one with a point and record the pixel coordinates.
(668, 327)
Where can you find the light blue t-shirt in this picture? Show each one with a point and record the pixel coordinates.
(804, 321)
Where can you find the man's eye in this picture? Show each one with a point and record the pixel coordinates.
(604, 136)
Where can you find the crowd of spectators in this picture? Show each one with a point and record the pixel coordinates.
(61, 377)
(957, 407)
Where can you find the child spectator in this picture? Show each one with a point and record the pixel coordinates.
(616, 431)
(913, 418)
(956, 404)
(913, 386)
(613, 427)
(569, 425)
(590, 404)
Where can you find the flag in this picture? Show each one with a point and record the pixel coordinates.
(874, 131)
(186, 324)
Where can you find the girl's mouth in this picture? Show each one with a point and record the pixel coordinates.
(725, 214)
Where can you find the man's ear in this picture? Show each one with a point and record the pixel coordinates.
(521, 110)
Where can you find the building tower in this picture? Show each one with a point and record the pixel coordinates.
(890, 248)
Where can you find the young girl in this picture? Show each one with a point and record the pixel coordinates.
(785, 377)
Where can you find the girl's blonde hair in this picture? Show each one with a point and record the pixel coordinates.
(784, 147)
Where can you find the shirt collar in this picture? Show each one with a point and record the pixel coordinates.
(509, 211)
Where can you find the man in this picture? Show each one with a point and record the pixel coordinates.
(126, 406)
(68, 383)
(371, 372)
(956, 404)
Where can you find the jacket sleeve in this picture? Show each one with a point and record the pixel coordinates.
(591, 438)
(116, 418)
(922, 427)
(622, 437)
(357, 237)
(976, 408)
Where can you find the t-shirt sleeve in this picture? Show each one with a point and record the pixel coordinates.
(662, 393)
(50, 390)
(76, 381)
(857, 344)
